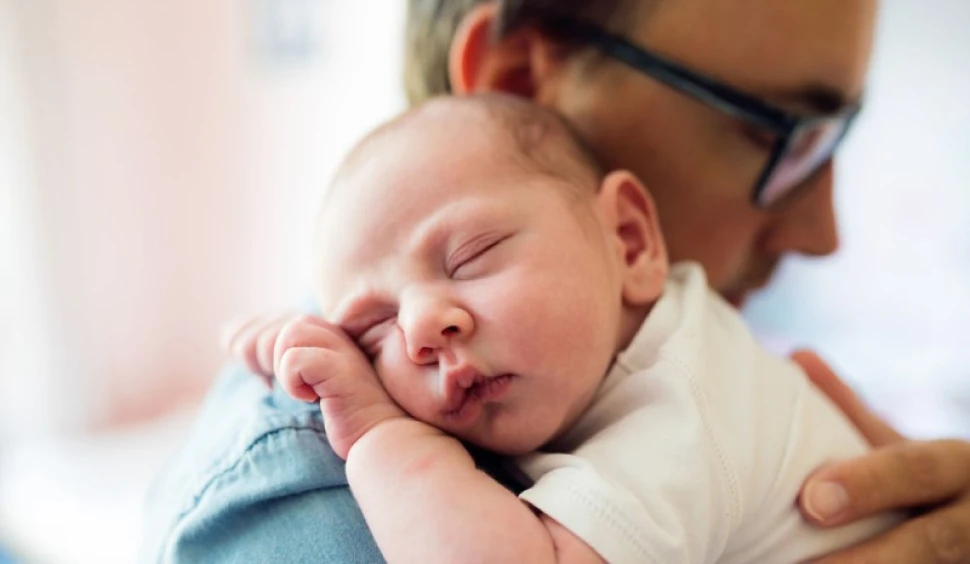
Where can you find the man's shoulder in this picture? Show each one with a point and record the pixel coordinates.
(240, 422)
(249, 446)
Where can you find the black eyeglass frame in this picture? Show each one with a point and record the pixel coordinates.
(786, 125)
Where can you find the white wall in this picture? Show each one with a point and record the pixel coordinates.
(27, 363)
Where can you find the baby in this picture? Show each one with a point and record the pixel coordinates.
(484, 281)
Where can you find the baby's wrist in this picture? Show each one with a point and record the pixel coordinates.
(392, 437)
(390, 431)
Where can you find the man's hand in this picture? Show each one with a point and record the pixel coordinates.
(928, 478)
(315, 361)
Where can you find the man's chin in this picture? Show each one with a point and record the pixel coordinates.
(738, 296)
(736, 299)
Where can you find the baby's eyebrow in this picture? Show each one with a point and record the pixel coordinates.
(431, 233)
(435, 233)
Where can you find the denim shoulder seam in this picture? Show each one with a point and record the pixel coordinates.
(196, 498)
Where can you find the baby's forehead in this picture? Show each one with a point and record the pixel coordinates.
(383, 215)
(445, 150)
(371, 253)
(502, 130)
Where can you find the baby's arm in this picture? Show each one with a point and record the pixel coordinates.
(417, 487)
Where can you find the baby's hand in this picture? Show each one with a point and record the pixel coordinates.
(315, 360)
(252, 340)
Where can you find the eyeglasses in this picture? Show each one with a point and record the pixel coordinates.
(803, 145)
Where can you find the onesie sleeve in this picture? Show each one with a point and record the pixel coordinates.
(607, 519)
(798, 430)
(655, 495)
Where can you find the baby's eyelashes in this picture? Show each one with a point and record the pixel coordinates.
(461, 263)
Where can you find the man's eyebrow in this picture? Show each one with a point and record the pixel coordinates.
(817, 98)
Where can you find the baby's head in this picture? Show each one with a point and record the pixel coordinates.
(477, 254)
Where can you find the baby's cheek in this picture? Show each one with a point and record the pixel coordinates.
(554, 320)
(395, 372)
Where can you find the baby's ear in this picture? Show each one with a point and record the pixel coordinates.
(629, 212)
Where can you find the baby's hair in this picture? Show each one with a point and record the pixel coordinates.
(537, 139)
(545, 141)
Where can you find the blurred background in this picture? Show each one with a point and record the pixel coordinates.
(160, 165)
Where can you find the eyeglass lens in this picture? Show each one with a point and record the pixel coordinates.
(809, 149)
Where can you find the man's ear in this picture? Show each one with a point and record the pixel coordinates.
(518, 64)
(630, 214)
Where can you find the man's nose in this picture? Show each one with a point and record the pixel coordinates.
(809, 225)
(431, 325)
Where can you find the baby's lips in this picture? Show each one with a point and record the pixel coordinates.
(456, 383)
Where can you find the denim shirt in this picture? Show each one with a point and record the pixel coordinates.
(257, 481)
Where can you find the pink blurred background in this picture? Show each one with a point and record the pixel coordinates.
(164, 161)
(160, 165)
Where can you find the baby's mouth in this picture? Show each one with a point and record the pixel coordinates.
(467, 387)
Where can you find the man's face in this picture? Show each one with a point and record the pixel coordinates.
(487, 302)
(700, 165)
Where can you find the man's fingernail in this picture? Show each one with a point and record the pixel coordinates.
(825, 500)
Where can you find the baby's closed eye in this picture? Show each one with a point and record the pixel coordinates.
(465, 261)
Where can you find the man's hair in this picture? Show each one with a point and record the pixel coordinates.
(431, 26)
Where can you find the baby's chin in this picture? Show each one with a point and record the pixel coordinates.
(511, 444)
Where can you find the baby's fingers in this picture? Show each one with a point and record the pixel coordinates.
(252, 340)
(352, 399)
(231, 329)
(239, 338)
(307, 332)
(265, 344)
(299, 369)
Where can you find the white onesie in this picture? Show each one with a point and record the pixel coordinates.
(696, 446)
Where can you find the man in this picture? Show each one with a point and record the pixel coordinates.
(709, 103)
